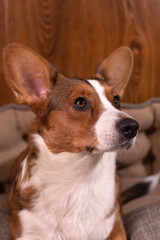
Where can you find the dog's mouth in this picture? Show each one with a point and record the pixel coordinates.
(121, 144)
(90, 149)
(126, 144)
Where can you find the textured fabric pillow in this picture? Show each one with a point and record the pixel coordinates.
(4, 226)
(143, 223)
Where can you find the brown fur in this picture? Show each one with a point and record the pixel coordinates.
(118, 232)
(21, 198)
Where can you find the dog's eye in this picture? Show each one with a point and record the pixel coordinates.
(80, 104)
(116, 101)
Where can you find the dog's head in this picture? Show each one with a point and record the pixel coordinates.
(73, 114)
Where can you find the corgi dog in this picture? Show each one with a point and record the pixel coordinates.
(65, 187)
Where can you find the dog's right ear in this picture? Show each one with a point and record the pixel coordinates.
(27, 74)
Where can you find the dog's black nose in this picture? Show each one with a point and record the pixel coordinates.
(128, 127)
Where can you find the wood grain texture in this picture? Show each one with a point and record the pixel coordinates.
(75, 35)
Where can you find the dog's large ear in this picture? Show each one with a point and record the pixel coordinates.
(116, 69)
(27, 74)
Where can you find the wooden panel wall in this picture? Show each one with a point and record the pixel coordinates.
(75, 35)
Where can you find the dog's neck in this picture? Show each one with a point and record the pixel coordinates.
(71, 166)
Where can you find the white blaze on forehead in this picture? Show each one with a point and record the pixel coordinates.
(101, 93)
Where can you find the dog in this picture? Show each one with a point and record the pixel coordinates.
(65, 186)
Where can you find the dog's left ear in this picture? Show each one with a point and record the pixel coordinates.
(116, 69)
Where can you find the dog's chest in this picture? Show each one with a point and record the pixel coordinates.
(74, 200)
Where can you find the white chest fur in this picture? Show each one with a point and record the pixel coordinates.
(75, 194)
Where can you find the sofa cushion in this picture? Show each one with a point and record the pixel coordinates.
(143, 223)
(4, 226)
